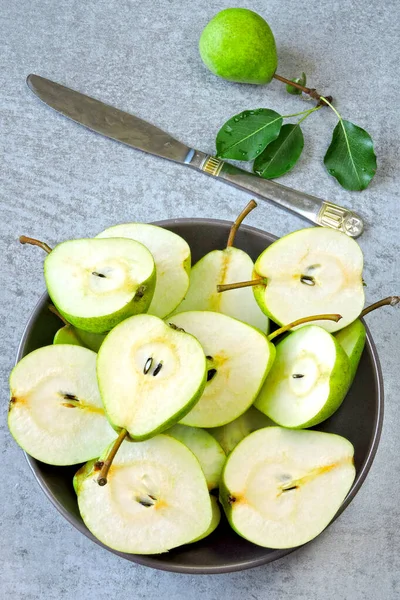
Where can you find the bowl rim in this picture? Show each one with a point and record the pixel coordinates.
(147, 560)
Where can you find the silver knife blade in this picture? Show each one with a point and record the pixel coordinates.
(132, 131)
(107, 120)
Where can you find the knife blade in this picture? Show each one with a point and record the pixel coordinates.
(141, 135)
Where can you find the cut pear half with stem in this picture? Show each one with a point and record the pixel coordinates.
(308, 272)
(150, 375)
(205, 448)
(218, 267)
(56, 414)
(172, 258)
(229, 435)
(156, 498)
(280, 488)
(97, 283)
(308, 380)
(238, 360)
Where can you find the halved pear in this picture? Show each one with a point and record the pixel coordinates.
(205, 448)
(308, 380)
(78, 337)
(310, 272)
(352, 339)
(95, 284)
(219, 267)
(56, 414)
(215, 520)
(156, 498)
(280, 488)
(229, 435)
(150, 375)
(238, 360)
(172, 257)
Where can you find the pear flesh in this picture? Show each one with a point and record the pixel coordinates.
(219, 267)
(238, 360)
(311, 272)
(156, 498)
(281, 487)
(95, 284)
(205, 448)
(172, 258)
(150, 375)
(56, 414)
(308, 380)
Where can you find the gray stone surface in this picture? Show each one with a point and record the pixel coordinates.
(58, 181)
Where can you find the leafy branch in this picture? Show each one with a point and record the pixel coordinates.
(260, 135)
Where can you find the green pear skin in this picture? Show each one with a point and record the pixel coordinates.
(238, 45)
(352, 339)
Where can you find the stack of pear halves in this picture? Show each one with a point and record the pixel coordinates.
(165, 386)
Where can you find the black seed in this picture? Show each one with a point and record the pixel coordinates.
(152, 497)
(211, 373)
(145, 503)
(293, 487)
(157, 369)
(69, 396)
(147, 365)
(231, 499)
(307, 279)
(140, 292)
(297, 375)
(209, 357)
(99, 274)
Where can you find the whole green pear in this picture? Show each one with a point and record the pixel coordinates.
(238, 45)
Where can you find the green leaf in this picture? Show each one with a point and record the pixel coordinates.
(295, 91)
(350, 157)
(246, 135)
(282, 154)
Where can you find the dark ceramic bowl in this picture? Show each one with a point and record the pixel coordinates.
(359, 419)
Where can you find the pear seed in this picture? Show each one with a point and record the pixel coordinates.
(307, 279)
(297, 375)
(140, 292)
(147, 365)
(99, 274)
(157, 369)
(211, 373)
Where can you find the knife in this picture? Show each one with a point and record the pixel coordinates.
(139, 134)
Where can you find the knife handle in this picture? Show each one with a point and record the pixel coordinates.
(313, 209)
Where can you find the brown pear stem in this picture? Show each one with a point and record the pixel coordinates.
(33, 242)
(241, 284)
(326, 317)
(235, 226)
(53, 309)
(389, 301)
(102, 478)
(309, 91)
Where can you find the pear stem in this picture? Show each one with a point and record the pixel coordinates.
(309, 91)
(389, 301)
(102, 478)
(53, 309)
(241, 284)
(235, 226)
(33, 242)
(326, 317)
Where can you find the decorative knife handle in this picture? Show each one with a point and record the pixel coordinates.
(314, 209)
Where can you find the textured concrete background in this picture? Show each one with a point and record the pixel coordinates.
(58, 181)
